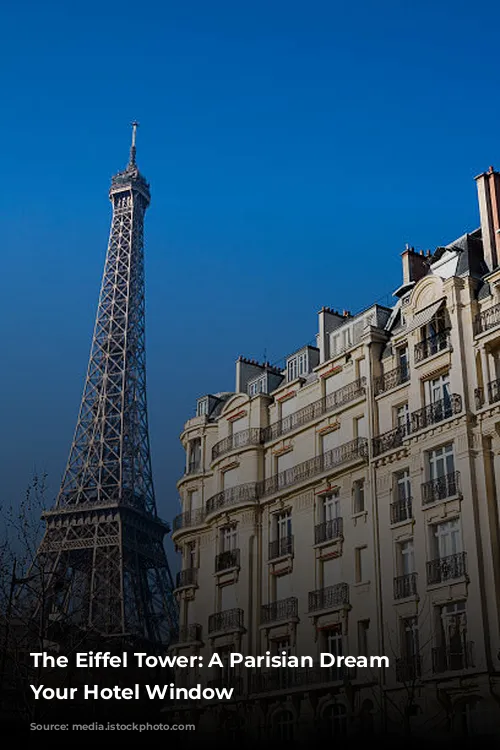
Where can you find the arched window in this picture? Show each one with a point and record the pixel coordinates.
(283, 725)
(335, 718)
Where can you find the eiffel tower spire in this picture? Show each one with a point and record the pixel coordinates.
(102, 554)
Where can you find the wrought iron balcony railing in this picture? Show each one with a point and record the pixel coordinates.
(309, 413)
(281, 547)
(436, 412)
(441, 488)
(408, 669)
(494, 391)
(228, 681)
(434, 344)
(227, 560)
(190, 518)
(329, 597)
(285, 609)
(487, 319)
(242, 493)
(392, 379)
(187, 577)
(390, 440)
(402, 510)
(241, 439)
(226, 621)
(447, 568)
(355, 449)
(453, 659)
(328, 531)
(189, 633)
(405, 586)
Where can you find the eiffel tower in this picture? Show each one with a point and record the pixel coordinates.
(102, 557)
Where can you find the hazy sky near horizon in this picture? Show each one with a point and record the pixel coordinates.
(292, 150)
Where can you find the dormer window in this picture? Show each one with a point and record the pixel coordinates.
(202, 407)
(257, 386)
(300, 364)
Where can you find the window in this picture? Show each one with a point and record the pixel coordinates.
(441, 462)
(406, 557)
(283, 525)
(292, 369)
(359, 496)
(347, 338)
(190, 555)
(280, 645)
(329, 441)
(202, 407)
(227, 597)
(329, 572)
(402, 360)
(455, 651)
(447, 538)
(330, 508)
(283, 725)
(361, 563)
(402, 416)
(361, 368)
(334, 645)
(438, 389)
(228, 538)
(225, 673)
(194, 463)
(193, 501)
(363, 627)
(335, 718)
(282, 587)
(302, 364)
(410, 640)
(402, 485)
(360, 427)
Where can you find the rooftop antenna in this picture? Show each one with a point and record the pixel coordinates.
(135, 125)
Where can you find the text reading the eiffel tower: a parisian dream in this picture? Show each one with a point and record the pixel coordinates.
(105, 659)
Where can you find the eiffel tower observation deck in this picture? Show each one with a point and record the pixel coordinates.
(102, 557)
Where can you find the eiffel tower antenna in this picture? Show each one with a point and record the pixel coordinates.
(103, 554)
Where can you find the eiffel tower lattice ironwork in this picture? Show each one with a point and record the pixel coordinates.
(102, 555)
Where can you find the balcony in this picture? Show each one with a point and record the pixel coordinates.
(390, 440)
(243, 493)
(405, 586)
(487, 319)
(392, 379)
(355, 449)
(228, 681)
(251, 436)
(189, 633)
(441, 488)
(330, 597)
(436, 412)
(449, 659)
(494, 391)
(447, 568)
(281, 547)
(227, 560)
(408, 669)
(434, 344)
(283, 610)
(186, 577)
(190, 518)
(309, 413)
(402, 510)
(328, 531)
(289, 678)
(226, 622)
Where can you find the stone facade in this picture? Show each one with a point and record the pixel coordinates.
(349, 504)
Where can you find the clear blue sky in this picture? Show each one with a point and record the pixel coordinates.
(292, 150)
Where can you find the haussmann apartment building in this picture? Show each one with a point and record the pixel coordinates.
(349, 503)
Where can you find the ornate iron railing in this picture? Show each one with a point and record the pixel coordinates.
(329, 597)
(285, 609)
(228, 620)
(402, 510)
(392, 379)
(242, 493)
(487, 319)
(251, 436)
(189, 633)
(309, 413)
(226, 560)
(390, 440)
(281, 547)
(355, 449)
(405, 586)
(187, 577)
(436, 412)
(328, 530)
(441, 488)
(447, 659)
(190, 518)
(408, 669)
(434, 344)
(447, 568)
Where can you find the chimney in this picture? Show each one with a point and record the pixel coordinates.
(415, 265)
(488, 193)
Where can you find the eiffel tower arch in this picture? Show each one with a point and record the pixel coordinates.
(102, 562)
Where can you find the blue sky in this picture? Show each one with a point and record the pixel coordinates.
(292, 150)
